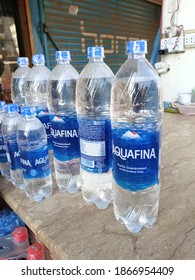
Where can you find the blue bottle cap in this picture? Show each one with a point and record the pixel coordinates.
(2, 104)
(136, 47)
(28, 110)
(11, 108)
(38, 58)
(63, 55)
(23, 61)
(95, 52)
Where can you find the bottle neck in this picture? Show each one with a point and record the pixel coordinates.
(29, 118)
(39, 64)
(63, 62)
(12, 113)
(136, 56)
(96, 59)
(23, 66)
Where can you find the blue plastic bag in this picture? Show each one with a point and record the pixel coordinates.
(9, 220)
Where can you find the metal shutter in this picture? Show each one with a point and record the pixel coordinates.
(107, 23)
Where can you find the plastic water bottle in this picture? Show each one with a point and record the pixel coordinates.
(4, 164)
(18, 81)
(9, 130)
(36, 94)
(32, 142)
(136, 114)
(93, 111)
(64, 125)
(15, 244)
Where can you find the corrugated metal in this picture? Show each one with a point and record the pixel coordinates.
(107, 23)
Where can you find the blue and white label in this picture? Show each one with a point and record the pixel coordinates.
(13, 155)
(35, 164)
(95, 145)
(65, 140)
(136, 158)
(3, 156)
(44, 116)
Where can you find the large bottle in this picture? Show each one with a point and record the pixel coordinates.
(18, 81)
(4, 164)
(9, 131)
(64, 125)
(136, 115)
(36, 94)
(32, 142)
(93, 112)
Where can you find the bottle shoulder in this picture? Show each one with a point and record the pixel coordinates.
(139, 68)
(11, 119)
(21, 72)
(63, 72)
(96, 70)
(39, 73)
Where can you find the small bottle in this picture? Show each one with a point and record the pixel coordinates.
(4, 164)
(18, 81)
(35, 252)
(136, 114)
(64, 125)
(14, 245)
(32, 142)
(36, 94)
(9, 131)
(93, 112)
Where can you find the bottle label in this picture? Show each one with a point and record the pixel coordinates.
(3, 156)
(136, 156)
(64, 131)
(35, 164)
(13, 155)
(44, 116)
(95, 145)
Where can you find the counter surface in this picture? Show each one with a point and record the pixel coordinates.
(72, 230)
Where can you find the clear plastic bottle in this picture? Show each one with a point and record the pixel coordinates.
(64, 125)
(93, 111)
(9, 131)
(18, 81)
(136, 115)
(15, 244)
(32, 142)
(36, 94)
(4, 164)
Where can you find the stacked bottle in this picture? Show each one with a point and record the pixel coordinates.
(36, 94)
(18, 81)
(93, 112)
(136, 114)
(4, 164)
(15, 244)
(33, 145)
(64, 125)
(9, 131)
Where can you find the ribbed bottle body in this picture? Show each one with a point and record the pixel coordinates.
(33, 145)
(64, 124)
(93, 111)
(136, 114)
(9, 129)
